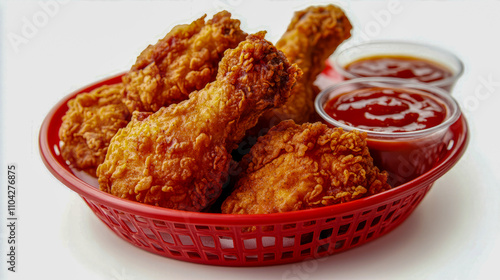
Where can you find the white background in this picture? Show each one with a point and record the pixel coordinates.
(453, 234)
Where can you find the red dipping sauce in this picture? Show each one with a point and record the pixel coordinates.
(405, 67)
(386, 110)
(407, 124)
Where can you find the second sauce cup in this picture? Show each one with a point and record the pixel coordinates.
(399, 59)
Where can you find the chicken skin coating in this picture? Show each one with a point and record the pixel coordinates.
(185, 60)
(91, 121)
(312, 36)
(295, 167)
(179, 156)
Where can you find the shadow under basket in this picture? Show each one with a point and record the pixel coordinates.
(224, 239)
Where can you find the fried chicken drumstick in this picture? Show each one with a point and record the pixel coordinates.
(165, 73)
(178, 157)
(296, 167)
(312, 36)
(184, 60)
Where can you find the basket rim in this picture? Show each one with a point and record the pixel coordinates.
(52, 121)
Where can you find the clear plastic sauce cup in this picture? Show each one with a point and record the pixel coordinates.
(404, 155)
(343, 59)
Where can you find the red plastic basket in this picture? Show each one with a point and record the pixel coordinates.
(221, 239)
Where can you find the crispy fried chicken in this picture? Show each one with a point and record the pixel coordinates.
(312, 36)
(91, 121)
(295, 167)
(165, 73)
(178, 157)
(184, 60)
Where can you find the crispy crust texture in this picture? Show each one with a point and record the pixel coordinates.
(296, 167)
(179, 156)
(165, 73)
(311, 37)
(185, 60)
(91, 121)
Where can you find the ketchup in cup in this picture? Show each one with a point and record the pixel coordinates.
(397, 66)
(386, 110)
(407, 123)
(412, 61)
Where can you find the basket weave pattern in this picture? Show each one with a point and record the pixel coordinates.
(219, 244)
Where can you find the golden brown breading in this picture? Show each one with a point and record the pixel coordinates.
(91, 121)
(296, 167)
(311, 37)
(178, 157)
(184, 60)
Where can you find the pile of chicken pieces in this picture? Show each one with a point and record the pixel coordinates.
(164, 136)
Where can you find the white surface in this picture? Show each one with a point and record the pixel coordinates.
(454, 234)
